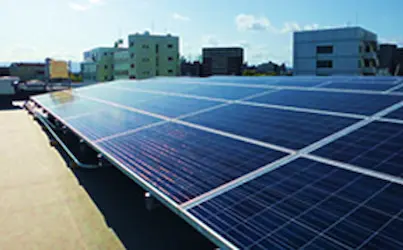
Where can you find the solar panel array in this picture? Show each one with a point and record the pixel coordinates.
(257, 162)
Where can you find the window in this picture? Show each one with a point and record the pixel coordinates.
(145, 59)
(324, 64)
(145, 46)
(170, 71)
(132, 65)
(157, 72)
(156, 48)
(132, 77)
(170, 46)
(106, 66)
(105, 53)
(131, 44)
(105, 78)
(170, 58)
(132, 55)
(324, 49)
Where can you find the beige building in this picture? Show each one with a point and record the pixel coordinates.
(153, 55)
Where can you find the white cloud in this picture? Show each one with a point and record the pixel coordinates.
(180, 17)
(78, 7)
(250, 22)
(290, 27)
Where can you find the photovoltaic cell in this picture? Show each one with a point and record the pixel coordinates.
(285, 128)
(184, 162)
(399, 90)
(358, 86)
(160, 104)
(212, 91)
(107, 122)
(306, 204)
(76, 108)
(377, 146)
(363, 104)
(397, 114)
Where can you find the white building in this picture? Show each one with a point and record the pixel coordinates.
(340, 51)
(153, 55)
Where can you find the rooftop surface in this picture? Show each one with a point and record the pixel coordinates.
(44, 204)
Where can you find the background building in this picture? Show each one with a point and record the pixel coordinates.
(390, 59)
(121, 64)
(341, 51)
(222, 61)
(190, 68)
(153, 55)
(28, 71)
(56, 70)
(98, 63)
(4, 71)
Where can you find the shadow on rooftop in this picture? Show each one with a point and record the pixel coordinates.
(121, 201)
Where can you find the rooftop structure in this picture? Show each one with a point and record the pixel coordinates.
(290, 169)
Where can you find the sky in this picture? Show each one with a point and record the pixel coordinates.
(64, 29)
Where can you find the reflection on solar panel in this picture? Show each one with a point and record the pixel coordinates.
(332, 101)
(360, 86)
(256, 162)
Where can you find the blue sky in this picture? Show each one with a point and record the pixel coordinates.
(35, 29)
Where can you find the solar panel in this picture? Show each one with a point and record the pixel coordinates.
(256, 162)
(358, 86)
(156, 103)
(306, 204)
(282, 127)
(212, 91)
(397, 114)
(376, 146)
(186, 162)
(365, 104)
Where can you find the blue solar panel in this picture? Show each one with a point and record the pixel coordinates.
(286, 128)
(398, 90)
(171, 106)
(358, 86)
(397, 114)
(301, 204)
(184, 162)
(376, 146)
(283, 81)
(306, 204)
(207, 90)
(76, 108)
(365, 104)
(109, 121)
